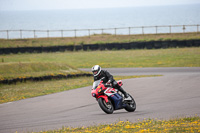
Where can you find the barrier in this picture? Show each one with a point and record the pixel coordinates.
(42, 78)
(108, 46)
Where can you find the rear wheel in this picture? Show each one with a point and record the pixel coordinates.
(106, 107)
(130, 105)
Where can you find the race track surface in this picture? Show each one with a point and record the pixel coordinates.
(175, 94)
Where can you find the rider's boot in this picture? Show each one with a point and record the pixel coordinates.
(123, 91)
(115, 85)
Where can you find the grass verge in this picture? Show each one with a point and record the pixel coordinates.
(95, 39)
(20, 91)
(176, 57)
(187, 124)
(33, 69)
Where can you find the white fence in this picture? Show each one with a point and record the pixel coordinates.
(20, 34)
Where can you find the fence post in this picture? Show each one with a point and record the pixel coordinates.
(34, 33)
(21, 34)
(62, 33)
(115, 31)
(156, 29)
(7, 34)
(75, 33)
(89, 32)
(170, 31)
(197, 28)
(142, 30)
(129, 31)
(47, 33)
(183, 28)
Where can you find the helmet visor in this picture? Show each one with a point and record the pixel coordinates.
(95, 72)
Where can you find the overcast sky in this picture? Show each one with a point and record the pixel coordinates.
(84, 4)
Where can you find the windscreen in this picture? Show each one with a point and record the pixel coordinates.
(95, 84)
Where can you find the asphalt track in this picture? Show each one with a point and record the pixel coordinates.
(175, 94)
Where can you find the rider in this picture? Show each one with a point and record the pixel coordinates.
(99, 74)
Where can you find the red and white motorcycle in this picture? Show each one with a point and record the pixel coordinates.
(111, 99)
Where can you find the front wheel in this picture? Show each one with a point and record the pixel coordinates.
(106, 107)
(130, 105)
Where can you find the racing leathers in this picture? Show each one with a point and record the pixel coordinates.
(107, 77)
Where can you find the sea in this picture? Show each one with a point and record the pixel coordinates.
(80, 22)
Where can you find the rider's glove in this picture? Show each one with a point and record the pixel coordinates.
(109, 83)
(114, 83)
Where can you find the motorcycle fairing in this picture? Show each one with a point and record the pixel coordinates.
(104, 97)
(117, 101)
(110, 91)
(120, 83)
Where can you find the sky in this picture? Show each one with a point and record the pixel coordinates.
(85, 4)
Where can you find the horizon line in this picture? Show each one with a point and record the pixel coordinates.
(99, 7)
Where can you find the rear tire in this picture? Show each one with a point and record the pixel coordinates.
(131, 105)
(106, 107)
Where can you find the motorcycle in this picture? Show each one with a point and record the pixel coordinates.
(110, 99)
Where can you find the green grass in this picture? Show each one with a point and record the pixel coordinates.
(95, 39)
(33, 69)
(179, 125)
(15, 65)
(176, 57)
(19, 91)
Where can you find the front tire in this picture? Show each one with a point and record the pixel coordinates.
(106, 107)
(130, 105)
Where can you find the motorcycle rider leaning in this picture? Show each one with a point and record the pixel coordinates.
(108, 78)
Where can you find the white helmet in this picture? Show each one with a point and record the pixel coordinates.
(96, 70)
